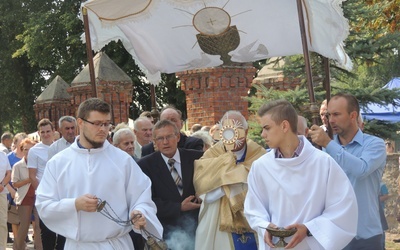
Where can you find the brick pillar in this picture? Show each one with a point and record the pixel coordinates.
(117, 94)
(52, 110)
(213, 91)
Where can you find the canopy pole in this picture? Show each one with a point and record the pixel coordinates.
(327, 87)
(313, 106)
(327, 79)
(154, 112)
(89, 51)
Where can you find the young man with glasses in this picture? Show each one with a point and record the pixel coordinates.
(171, 172)
(81, 178)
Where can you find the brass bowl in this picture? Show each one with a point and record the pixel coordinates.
(281, 233)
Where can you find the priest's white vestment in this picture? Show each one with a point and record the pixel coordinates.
(310, 189)
(111, 175)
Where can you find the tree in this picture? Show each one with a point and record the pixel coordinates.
(44, 39)
(41, 38)
(373, 45)
(20, 81)
(167, 92)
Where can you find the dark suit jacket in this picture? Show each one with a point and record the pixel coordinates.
(164, 191)
(184, 142)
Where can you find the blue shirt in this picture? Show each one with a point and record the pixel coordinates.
(383, 191)
(363, 160)
(12, 158)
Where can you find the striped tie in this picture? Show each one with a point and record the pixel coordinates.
(175, 175)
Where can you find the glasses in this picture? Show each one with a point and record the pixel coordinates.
(99, 124)
(162, 138)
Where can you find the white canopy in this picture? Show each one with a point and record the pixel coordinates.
(388, 113)
(163, 35)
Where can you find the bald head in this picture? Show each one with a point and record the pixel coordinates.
(143, 130)
(172, 115)
(302, 128)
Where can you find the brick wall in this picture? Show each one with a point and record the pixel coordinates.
(53, 110)
(117, 94)
(213, 91)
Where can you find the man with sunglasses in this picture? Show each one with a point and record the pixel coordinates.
(91, 175)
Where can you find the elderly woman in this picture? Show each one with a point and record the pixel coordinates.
(206, 137)
(25, 198)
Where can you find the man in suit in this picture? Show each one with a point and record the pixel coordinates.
(171, 172)
(174, 115)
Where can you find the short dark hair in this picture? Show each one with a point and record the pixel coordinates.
(280, 110)
(352, 102)
(93, 104)
(45, 122)
(163, 124)
(6, 136)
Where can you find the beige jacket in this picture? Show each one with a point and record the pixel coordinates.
(20, 172)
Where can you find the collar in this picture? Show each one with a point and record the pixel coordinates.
(79, 144)
(241, 154)
(176, 157)
(296, 153)
(66, 142)
(358, 138)
(137, 144)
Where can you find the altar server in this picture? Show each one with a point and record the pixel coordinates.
(89, 171)
(298, 186)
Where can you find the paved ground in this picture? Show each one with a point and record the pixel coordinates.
(390, 245)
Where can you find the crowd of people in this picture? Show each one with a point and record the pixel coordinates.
(116, 187)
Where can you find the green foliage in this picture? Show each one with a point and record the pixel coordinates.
(41, 39)
(383, 129)
(298, 97)
(372, 45)
(51, 38)
(19, 79)
(167, 92)
(301, 102)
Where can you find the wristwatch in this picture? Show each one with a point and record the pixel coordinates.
(309, 234)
